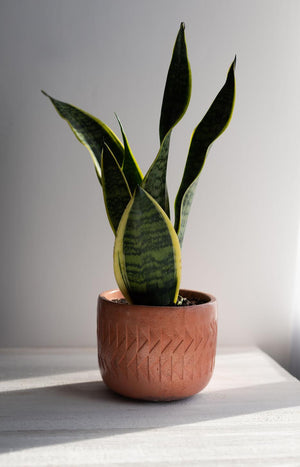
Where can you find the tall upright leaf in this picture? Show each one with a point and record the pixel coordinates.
(178, 86)
(176, 99)
(212, 125)
(147, 257)
(116, 191)
(130, 167)
(90, 131)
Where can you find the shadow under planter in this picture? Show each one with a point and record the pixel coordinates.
(156, 353)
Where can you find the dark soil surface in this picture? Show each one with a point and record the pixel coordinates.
(182, 301)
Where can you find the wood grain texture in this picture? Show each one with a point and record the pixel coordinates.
(54, 410)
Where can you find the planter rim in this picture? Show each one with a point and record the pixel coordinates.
(211, 299)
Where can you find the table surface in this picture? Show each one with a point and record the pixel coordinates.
(56, 411)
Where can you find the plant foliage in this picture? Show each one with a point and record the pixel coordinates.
(147, 250)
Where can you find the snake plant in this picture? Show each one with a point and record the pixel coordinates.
(147, 250)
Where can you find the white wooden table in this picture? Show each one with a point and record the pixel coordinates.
(55, 411)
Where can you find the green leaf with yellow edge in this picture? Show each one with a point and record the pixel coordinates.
(178, 86)
(147, 256)
(116, 191)
(154, 181)
(176, 99)
(90, 131)
(211, 126)
(130, 167)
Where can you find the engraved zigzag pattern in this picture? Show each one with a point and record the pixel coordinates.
(142, 353)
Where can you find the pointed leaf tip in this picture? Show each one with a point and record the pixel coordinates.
(177, 90)
(210, 128)
(89, 131)
(234, 63)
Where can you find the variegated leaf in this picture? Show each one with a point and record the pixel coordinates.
(147, 257)
(116, 191)
(130, 167)
(155, 179)
(177, 91)
(212, 125)
(176, 98)
(90, 131)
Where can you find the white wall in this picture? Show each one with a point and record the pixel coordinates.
(111, 56)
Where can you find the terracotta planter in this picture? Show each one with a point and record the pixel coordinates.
(156, 353)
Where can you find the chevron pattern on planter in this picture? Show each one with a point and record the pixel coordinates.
(140, 352)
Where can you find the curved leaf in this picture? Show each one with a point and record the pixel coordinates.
(212, 125)
(178, 86)
(116, 191)
(147, 257)
(130, 167)
(155, 179)
(90, 131)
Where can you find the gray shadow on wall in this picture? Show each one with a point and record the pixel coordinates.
(83, 411)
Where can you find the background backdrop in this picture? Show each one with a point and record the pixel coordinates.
(109, 56)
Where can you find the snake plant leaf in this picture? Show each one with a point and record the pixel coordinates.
(147, 256)
(154, 181)
(130, 167)
(90, 131)
(177, 91)
(212, 125)
(116, 191)
(176, 98)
